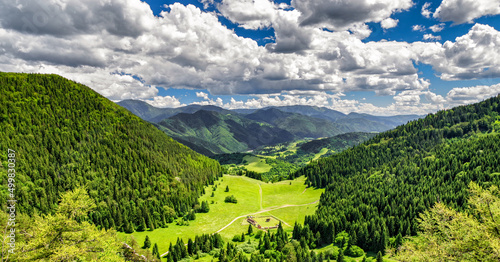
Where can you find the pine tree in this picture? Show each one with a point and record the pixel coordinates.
(398, 241)
(340, 258)
(379, 257)
(250, 229)
(227, 189)
(147, 243)
(142, 225)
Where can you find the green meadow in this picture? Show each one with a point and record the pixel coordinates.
(288, 200)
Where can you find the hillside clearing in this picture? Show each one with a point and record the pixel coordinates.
(286, 200)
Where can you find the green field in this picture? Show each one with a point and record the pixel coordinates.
(287, 200)
(320, 153)
(256, 164)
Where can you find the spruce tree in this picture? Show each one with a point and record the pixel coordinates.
(250, 229)
(340, 258)
(227, 189)
(379, 257)
(142, 225)
(147, 243)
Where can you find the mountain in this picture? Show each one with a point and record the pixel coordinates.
(313, 111)
(210, 132)
(376, 190)
(65, 136)
(299, 125)
(275, 124)
(155, 115)
(390, 121)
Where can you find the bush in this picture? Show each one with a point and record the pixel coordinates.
(247, 248)
(231, 199)
(237, 238)
(214, 252)
(258, 234)
(270, 254)
(332, 253)
(355, 251)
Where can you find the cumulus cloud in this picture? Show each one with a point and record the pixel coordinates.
(250, 14)
(437, 28)
(202, 95)
(431, 37)
(475, 55)
(165, 102)
(340, 15)
(468, 95)
(425, 10)
(465, 11)
(420, 28)
(389, 23)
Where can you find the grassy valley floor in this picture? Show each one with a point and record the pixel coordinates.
(289, 201)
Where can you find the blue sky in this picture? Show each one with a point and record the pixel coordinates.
(382, 56)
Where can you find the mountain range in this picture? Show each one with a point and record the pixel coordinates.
(213, 130)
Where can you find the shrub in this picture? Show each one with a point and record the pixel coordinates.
(231, 199)
(237, 238)
(355, 251)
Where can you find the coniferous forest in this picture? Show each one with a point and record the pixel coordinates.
(376, 190)
(65, 136)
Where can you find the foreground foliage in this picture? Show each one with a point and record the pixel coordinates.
(448, 235)
(65, 235)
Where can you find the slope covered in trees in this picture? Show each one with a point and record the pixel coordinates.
(221, 133)
(65, 135)
(336, 143)
(375, 190)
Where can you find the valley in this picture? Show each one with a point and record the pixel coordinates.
(254, 197)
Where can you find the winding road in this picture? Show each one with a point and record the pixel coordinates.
(266, 210)
(261, 211)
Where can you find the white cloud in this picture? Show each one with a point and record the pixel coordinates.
(437, 28)
(465, 11)
(420, 28)
(389, 23)
(164, 102)
(431, 37)
(468, 95)
(475, 55)
(425, 10)
(210, 102)
(202, 95)
(250, 14)
(340, 15)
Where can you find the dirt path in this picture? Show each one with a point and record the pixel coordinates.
(264, 211)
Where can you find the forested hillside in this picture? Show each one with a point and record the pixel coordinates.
(65, 135)
(210, 132)
(336, 143)
(299, 125)
(375, 190)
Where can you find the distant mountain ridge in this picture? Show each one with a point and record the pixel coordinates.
(211, 132)
(214, 130)
(156, 115)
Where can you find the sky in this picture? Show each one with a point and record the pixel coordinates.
(383, 57)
